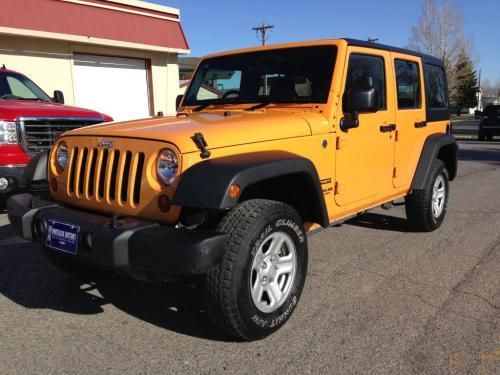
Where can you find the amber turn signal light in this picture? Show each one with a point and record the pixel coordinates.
(234, 191)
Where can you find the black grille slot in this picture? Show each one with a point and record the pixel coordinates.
(93, 166)
(126, 174)
(138, 178)
(114, 171)
(72, 170)
(102, 175)
(39, 134)
(83, 167)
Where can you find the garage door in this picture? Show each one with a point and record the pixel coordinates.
(115, 86)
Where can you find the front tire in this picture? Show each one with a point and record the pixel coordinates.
(426, 209)
(256, 288)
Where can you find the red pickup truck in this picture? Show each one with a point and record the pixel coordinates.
(30, 121)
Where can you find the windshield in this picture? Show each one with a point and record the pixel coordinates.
(14, 86)
(297, 75)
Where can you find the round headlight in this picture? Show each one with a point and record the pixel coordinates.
(62, 155)
(167, 166)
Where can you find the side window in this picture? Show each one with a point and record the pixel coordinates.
(19, 89)
(366, 71)
(408, 84)
(436, 86)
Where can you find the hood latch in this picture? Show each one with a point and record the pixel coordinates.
(201, 143)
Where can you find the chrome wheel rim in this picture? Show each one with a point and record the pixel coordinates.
(273, 272)
(438, 196)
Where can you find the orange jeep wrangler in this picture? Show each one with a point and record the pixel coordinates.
(269, 144)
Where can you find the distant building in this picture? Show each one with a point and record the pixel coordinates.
(115, 56)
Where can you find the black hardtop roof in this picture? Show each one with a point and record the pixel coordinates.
(363, 43)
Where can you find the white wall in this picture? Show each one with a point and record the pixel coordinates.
(49, 64)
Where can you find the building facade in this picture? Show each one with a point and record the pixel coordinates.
(115, 56)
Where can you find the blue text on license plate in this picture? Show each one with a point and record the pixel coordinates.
(62, 236)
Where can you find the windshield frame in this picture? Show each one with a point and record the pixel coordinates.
(194, 86)
(39, 94)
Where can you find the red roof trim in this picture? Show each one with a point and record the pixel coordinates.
(128, 7)
(93, 22)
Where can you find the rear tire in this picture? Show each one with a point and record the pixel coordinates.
(426, 209)
(70, 264)
(256, 288)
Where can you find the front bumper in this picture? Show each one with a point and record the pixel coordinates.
(141, 249)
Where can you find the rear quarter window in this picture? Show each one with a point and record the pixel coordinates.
(437, 92)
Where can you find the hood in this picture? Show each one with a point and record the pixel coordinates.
(218, 128)
(13, 109)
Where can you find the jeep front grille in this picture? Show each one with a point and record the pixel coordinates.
(105, 175)
(39, 133)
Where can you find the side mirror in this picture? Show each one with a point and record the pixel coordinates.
(359, 100)
(362, 100)
(58, 97)
(178, 101)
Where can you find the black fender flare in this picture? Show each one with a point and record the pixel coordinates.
(431, 151)
(206, 184)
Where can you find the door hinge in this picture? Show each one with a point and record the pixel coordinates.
(394, 173)
(340, 143)
(336, 189)
(396, 136)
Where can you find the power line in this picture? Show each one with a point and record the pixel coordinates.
(263, 32)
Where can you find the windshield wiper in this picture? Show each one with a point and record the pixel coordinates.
(201, 107)
(258, 106)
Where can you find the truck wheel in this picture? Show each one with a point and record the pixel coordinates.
(256, 288)
(70, 264)
(481, 136)
(426, 209)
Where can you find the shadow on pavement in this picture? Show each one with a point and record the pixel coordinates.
(28, 279)
(382, 222)
(488, 155)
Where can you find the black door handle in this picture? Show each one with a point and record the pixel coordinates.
(421, 124)
(387, 128)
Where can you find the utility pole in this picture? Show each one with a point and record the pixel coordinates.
(263, 32)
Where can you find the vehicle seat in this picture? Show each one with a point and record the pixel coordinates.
(283, 88)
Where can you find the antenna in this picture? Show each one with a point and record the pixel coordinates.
(372, 40)
(3, 66)
(263, 32)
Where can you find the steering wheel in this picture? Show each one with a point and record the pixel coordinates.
(231, 92)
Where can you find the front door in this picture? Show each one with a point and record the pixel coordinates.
(365, 155)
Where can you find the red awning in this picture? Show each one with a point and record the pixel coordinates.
(82, 19)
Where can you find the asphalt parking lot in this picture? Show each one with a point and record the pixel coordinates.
(378, 299)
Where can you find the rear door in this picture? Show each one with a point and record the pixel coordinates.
(410, 117)
(365, 155)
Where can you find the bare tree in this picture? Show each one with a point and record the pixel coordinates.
(489, 89)
(440, 33)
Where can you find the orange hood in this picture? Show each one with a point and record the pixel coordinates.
(219, 130)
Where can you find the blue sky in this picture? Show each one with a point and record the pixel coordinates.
(218, 25)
